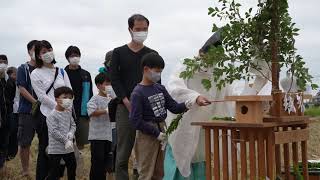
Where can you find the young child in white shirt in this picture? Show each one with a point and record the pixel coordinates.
(61, 129)
(100, 127)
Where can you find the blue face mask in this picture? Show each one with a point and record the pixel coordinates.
(154, 76)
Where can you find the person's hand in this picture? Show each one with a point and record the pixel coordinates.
(70, 136)
(127, 103)
(202, 101)
(69, 146)
(162, 137)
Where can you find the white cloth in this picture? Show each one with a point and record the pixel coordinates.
(184, 141)
(100, 128)
(41, 79)
(16, 100)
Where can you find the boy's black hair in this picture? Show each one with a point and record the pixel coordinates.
(136, 17)
(31, 44)
(72, 50)
(37, 49)
(3, 57)
(11, 70)
(152, 60)
(63, 90)
(101, 78)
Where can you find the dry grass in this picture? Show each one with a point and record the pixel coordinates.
(12, 169)
(314, 141)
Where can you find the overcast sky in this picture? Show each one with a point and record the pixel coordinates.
(178, 28)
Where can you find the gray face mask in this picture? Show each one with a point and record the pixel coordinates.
(154, 76)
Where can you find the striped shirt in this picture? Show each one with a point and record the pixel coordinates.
(100, 128)
(59, 123)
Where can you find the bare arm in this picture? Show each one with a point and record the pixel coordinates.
(27, 95)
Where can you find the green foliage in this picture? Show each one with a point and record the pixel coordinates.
(313, 112)
(223, 118)
(174, 124)
(247, 36)
(297, 173)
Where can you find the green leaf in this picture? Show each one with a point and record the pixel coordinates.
(206, 83)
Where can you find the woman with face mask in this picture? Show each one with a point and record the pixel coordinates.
(81, 83)
(45, 79)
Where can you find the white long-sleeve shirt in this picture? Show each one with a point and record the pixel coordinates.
(60, 123)
(41, 79)
(100, 128)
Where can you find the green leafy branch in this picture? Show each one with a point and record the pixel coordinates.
(174, 124)
(247, 37)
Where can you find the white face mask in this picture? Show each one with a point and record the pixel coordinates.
(47, 57)
(108, 90)
(3, 67)
(67, 103)
(154, 76)
(33, 55)
(139, 37)
(74, 60)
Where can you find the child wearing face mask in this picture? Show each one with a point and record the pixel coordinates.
(61, 129)
(150, 102)
(81, 83)
(100, 127)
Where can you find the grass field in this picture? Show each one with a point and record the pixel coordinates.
(13, 167)
(313, 111)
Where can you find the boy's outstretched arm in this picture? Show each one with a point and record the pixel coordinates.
(136, 116)
(172, 105)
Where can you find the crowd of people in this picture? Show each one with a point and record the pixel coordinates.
(127, 117)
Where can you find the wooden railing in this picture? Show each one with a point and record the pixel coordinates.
(254, 151)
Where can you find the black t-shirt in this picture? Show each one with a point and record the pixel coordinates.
(76, 84)
(126, 71)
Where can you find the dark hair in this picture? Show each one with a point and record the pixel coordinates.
(101, 78)
(38, 46)
(107, 60)
(31, 44)
(11, 70)
(152, 60)
(136, 17)
(72, 50)
(63, 90)
(3, 57)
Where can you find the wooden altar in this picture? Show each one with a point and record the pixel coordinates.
(266, 149)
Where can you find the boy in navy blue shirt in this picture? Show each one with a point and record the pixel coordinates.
(150, 102)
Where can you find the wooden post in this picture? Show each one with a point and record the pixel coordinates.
(295, 158)
(243, 150)
(216, 165)
(252, 154)
(261, 156)
(225, 154)
(286, 158)
(278, 158)
(271, 154)
(304, 148)
(234, 159)
(208, 153)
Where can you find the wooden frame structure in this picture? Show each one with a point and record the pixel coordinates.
(264, 149)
